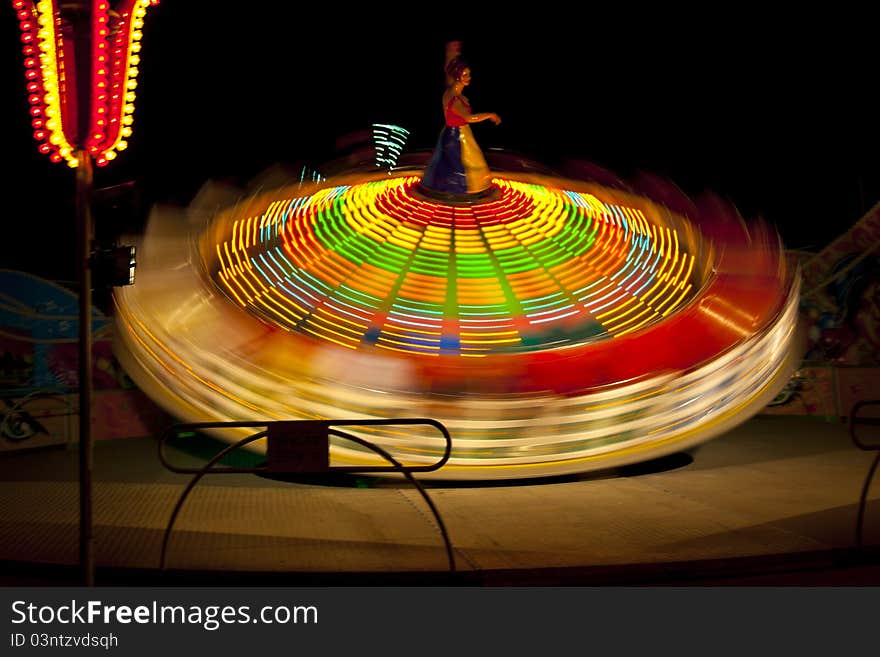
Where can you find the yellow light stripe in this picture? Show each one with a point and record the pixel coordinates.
(51, 83)
(661, 298)
(615, 312)
(278, 310)
(619, 329)
(496, 341)
(481, 333)
(326, 313)
(673, 283)
(383, 340)
(225, 280)
(250, 275)
(323, 331)
(406, 332)
(323, 322)
(134, 46)
(233, 274)
(678, 301)
(405, 351)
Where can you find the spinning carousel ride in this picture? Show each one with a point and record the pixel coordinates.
(553, 325)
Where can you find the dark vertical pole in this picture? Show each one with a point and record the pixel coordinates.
(76, 20)
(85, 230)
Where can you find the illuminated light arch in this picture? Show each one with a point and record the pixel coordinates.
(51, 76)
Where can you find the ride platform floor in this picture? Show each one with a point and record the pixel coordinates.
(772, 502)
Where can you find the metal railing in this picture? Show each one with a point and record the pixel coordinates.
(302, 447)
(854, 421)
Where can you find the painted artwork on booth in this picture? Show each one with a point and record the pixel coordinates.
(39, 370)
(39, 331)
(841, 298)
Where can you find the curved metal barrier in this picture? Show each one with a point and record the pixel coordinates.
(854, 421)
(303, 447)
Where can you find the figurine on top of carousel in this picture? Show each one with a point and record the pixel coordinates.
(457, 168)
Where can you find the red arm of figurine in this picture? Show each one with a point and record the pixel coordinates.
(461, 109)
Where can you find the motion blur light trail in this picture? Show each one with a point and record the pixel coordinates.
(557, 326)
(372, 264)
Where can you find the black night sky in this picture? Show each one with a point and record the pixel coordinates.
(775, 114)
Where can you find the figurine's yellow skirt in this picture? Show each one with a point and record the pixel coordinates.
(476, 171)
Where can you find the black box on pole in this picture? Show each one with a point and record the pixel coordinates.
(298, 446)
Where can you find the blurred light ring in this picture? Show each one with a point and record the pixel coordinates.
(606, 421)
(551, 439)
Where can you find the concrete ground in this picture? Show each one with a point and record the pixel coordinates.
(773, 501)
